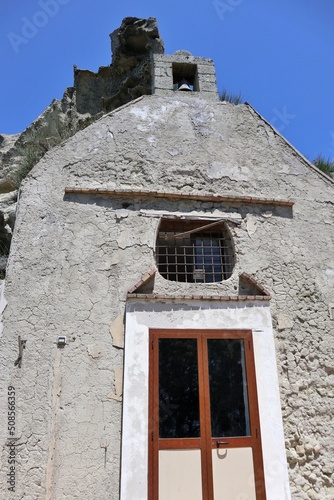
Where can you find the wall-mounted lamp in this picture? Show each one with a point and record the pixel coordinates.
(61, 340)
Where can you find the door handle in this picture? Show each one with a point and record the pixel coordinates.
(221, 443)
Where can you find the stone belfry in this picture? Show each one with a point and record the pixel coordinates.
(183, 72)
(168, 285)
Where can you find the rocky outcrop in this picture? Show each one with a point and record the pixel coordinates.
(93, 94)
(130, 74)
(7, 221)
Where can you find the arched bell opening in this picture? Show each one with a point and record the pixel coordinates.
(185, 77)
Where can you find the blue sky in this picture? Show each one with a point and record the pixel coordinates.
(279, 54)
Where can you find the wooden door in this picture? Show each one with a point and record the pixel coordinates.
(204, 432)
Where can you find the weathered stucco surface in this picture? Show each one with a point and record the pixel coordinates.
(75, 256)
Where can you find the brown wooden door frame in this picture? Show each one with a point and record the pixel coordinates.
(205, 443)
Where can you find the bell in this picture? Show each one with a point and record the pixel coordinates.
(184, 85)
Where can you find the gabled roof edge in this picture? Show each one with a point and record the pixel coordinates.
(127, 104)
(309, 164)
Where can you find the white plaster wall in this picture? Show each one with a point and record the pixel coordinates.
(140, 317)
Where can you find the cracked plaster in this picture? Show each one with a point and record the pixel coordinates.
(82, 256)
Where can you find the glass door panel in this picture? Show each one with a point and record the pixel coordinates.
(228, 388)
(178, 388)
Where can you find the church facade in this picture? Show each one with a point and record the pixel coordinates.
(167, 314)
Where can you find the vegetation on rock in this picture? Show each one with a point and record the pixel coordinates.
(236, 99)
(324, 164)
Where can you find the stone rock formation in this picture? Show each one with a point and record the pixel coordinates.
(128, 77)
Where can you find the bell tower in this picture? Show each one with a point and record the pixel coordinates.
(184, 72)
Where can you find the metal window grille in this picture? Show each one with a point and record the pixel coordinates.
(194, 251)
